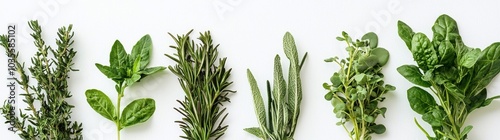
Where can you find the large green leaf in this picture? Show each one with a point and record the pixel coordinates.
(138, 111)
(445, 28)
(118, 57)
(108, 71)
(423, 52)
(101, 103)
(420, 100)
(406, 33)
(372, 38)
(413, 74)
(260, 109)
(142, 48)
(487, 66)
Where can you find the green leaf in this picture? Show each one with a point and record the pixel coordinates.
(446, 52)
(130, 81)
(108, 71)
(101, 103)
(360, 78)
(294, 83)
(378, 129)
(382, 55)
(466, 130)
(118, 57)
(477, 100)
(469, 59)
(489, 100)
(338, 107)
(143, 49)
(454, 90)
(424, 52)
(406, 33)
(260, 109)
(329, 96)
(413, 74)
(487, 66)
(138, 111)
(152, 70)
(372, 38)
(435, 117)
(335, 79)
(137, 64)
(420, 100)
(445, 28)
(255, 131)
(290, 48)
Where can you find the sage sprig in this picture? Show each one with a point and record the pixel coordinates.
(125, 70)
(283, 99)
(204, 79)
(456, 74)
(47, 115)
(357, 88)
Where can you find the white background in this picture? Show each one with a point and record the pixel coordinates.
(250, 33)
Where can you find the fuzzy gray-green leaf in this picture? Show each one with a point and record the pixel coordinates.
(260, 109)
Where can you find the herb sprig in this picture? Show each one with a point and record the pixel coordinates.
(125, 69)
(357, 88)
(48, 115)
(456, 74)
(283, 99)
(205, 85)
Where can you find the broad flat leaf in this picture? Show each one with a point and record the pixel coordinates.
(423, 52)
(142, 48)
(487, 66)
(130, 81)
(378, 129)
(260, 109)
(152, 70)
(118, 57)
(469, 59)
(413, 74)
(406, 33)
(420, 100)
(382, 55)
(447, 53)
(445, 28)
(108, 71)
(101, 103)
(138, 111)
(477, 100)
(372, 38)
(255, 131)
(434, 117)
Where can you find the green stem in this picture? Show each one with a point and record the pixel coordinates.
(118, 110)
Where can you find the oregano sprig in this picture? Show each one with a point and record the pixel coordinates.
(47, 115)
(357, 88)
(125, 69)
(283, 99)
(204, 79)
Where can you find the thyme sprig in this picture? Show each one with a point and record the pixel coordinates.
(48, 115)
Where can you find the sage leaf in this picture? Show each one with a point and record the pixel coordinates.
(255, 131)
(101, 103)
(260, 109)
(138, 111)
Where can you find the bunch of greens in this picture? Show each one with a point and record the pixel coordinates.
(456, 74)
(51, 120)
(125, 69)
(205, 85)
(357, 88)
(283, 99)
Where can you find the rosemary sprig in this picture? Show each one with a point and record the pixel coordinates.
(283, 99)
(204, 83)
(48, 116)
